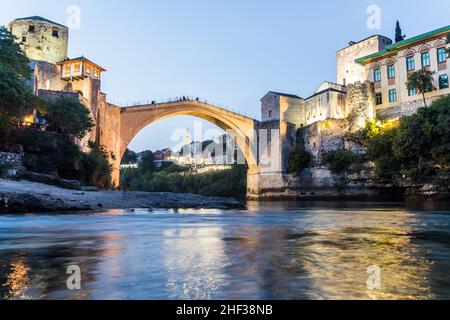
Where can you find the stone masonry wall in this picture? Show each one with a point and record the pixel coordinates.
(41, 43)
(12, 159)
(361, 103)
(406, 109)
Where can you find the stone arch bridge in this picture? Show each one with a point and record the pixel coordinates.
(116, 128)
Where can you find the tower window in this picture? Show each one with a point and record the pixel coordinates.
(55, 33)
(24, 39)
(270, 113)
(31, 28)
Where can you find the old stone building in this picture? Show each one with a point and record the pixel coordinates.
(389, 68)
(54, 74)
(371, 82)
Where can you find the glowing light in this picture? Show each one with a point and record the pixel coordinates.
(28, 120)
(18, 280)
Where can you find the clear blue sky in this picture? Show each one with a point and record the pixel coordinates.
(229, 51)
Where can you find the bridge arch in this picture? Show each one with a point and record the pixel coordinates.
(134, 119)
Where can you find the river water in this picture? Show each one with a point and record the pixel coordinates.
(269, 251)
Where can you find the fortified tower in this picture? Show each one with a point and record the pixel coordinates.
(41, 39)
(348, 71)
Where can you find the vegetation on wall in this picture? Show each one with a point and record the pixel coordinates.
(416, 148)
(299, 158)
(341, 160)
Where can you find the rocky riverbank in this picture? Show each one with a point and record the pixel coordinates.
(25, 196)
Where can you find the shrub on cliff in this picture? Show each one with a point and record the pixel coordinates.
(96, 167)
(299, 158)
(418, 148)
(341, 160)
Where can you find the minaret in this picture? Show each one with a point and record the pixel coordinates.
(188, 137)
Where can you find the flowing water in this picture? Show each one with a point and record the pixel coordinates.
(269, 251)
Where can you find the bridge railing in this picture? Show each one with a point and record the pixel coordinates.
(176, 99)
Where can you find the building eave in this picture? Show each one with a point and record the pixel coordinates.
(83, 59)
(393, 48)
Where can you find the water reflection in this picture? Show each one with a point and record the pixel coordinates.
(270, 251)
(17, 280)
(194, 260)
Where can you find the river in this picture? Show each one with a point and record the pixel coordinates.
(288, 250)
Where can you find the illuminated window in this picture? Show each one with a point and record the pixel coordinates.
(96, 72)
(77, 67)
(443, 81)
(67, 68)
(412, 92)
(377, 75)
(88, 69)
(393, 95)
(442, 55)
(425, 59)
(410, 65)
(391, 71)
(379, 98)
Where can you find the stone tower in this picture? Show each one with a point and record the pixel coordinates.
(348, 71)
(41, 39)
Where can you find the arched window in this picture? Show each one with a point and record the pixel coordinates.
(391, 71)
(442, 55)
(426, 61)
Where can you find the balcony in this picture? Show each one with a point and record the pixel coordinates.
(391, 82)
(378, 85)
(442, 66)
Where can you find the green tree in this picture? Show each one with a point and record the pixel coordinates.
(422, 81)
(424, 138)
(16, 98)
(147, 163)
(380, 151)
(129, 157)
(399, 36)
(12, 57)
(69, 117)
(96, 167)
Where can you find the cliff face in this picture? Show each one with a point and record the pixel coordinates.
(358, 182)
